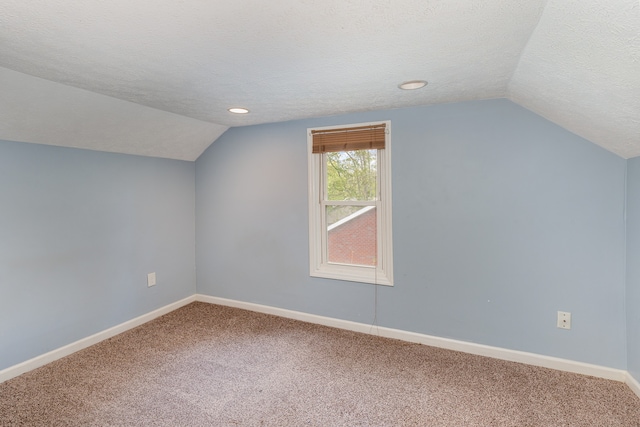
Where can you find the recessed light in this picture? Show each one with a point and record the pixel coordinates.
(238, 110)
(412, 84)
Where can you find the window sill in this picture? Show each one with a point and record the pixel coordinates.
(352, 274)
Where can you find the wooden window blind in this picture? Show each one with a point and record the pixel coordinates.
(349, 139)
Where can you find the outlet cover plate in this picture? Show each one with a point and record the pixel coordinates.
(151, 279)
(564, 320)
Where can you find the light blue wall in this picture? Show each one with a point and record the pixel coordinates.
(79, 231)
(501, 218)
(633, 267)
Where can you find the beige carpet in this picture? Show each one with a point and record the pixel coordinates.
(207, 365)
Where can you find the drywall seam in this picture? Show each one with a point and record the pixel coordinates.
(43, 359)
(450, 344)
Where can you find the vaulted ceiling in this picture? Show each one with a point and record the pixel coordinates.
(156, 77)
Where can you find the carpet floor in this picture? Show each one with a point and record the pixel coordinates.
(208, 365)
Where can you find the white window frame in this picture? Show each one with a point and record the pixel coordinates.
(382, 273)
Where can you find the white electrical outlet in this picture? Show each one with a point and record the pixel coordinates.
(151, 279)
(564, 320)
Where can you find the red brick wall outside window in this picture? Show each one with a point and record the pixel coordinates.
(354, 241)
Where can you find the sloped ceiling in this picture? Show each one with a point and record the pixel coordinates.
(156, 77)
(581, 69)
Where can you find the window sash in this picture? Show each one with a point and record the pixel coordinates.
(325, 231)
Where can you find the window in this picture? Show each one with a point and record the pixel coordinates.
(350, 203)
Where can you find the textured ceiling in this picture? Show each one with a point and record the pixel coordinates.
(581, 69)
(40, 111)
(155, 77)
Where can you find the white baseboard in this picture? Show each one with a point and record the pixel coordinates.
(463, 346)
(450, 344)
(36, 362)
(633, 384)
